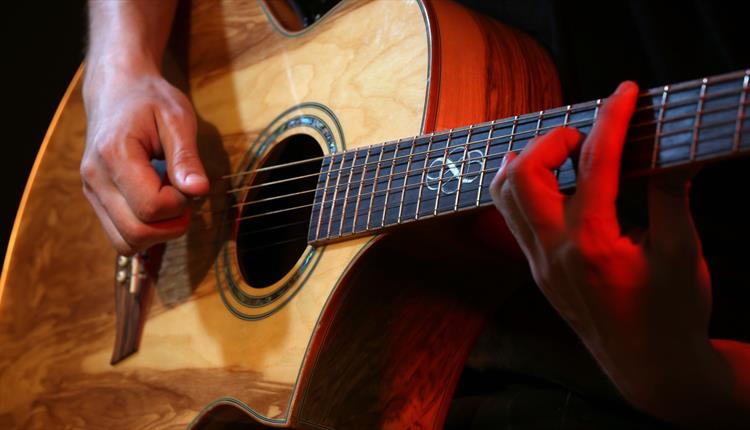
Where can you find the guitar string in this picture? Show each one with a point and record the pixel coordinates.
(459, 146)
(579, 123)
(370, 229)
(393, 191)
(359, 214)
(492, 128)
(482, 143)
(530, 118)
(179, 255)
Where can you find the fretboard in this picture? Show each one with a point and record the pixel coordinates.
(366, 190)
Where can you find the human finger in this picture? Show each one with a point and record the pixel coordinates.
(505, 202)
(128, 162)
(599, 164)
(535, 185)
(115, 238)
(177, 133)
(126, 231)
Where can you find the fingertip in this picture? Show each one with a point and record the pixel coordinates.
(626, 87)
(501, 171)
(572, 134)
(509, 156)
(195, 184)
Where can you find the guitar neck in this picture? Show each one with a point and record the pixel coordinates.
(367, 190)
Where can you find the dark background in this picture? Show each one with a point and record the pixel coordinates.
(42, 48)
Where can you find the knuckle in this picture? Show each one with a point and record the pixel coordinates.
(506, 197)
(496, 186)
(183, 112)
(556, 263)
(122, 247)
(185, 157)
(518, 170)
(589, 247)
(88, 170)
(107, 150)
(135, 236)
(518, 174)
(180, 113)
(171, 114)
(543, 275)
(147, 210)
(88, 192)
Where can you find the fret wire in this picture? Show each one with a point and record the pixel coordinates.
(406, 179)
(536, 132)
(335, 193)
(740, 112)
(697, 121)
(694, 84)
(487, 156)
(512, 139)
(492, 169)
(703, 112)
(565, 124)
(711, 155)
(580, 108)
(513, 134)
(346, 195)
(631, 140)
(311, 204)
(390, 180)
(711, 124)
(683, 116)
(359, 191)
(323, 200)
(583, 122)
(442, 169)
(464, 161)
(485, 170)
(659, 124)
(596, 110)
(538, 123)
(683, 130)
(556, 111)
(424, 170)
(374, 186)
(484, 163)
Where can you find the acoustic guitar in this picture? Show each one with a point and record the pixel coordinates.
(341, 154)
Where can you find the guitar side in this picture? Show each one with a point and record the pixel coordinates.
(382, 70)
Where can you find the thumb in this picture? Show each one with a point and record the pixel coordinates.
(177, 134)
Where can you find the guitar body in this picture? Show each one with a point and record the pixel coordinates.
(328, 339)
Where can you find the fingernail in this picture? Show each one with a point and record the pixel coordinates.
(195, 179)
(624, 87)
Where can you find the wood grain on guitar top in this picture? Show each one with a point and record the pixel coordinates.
(371, 64)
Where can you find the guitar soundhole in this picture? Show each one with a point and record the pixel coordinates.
(273, 221)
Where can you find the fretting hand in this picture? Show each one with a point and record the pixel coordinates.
(640, 303)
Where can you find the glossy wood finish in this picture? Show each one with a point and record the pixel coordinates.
(370, 63)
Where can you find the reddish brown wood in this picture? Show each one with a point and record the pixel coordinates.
(388, 354)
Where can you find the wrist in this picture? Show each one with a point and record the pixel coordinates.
(104, 73)
(681, 382)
